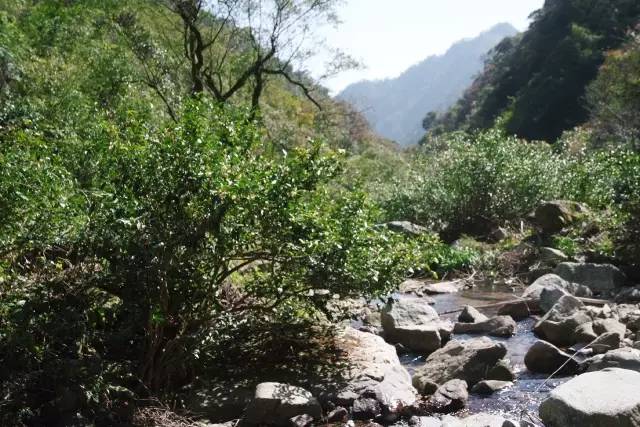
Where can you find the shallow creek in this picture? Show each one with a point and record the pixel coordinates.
(528, 390)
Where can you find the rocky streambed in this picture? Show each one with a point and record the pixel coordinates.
(559, 353)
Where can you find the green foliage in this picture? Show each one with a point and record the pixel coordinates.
(537, 81)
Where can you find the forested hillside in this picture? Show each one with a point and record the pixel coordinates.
(536, 83)
(396, 107)
(192, 231)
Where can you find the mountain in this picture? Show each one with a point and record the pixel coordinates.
(396, 107)
(535, 84)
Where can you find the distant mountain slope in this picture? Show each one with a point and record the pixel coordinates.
(395, 107)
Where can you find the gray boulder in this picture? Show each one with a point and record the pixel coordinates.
(606, 398)
(558, 326)
(466, 360)
(470, 314)
(624, 358)
(502, 371)
(414, 324)
(276, 404)
(553, 216)
(500, 326)
(630, 295)
(604, 326)
(597, 277)
(606, 342)
(450, 397)
(546, 290)
(545, 358)
(518, 310)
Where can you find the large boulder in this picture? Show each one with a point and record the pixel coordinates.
(606, 342)
(624, 358)
(466, 360)
(546, 358)
(371, 370)
(414, 324)
(559, 325)
(597, 277)
(606, 398)
(276, 403)
(500, 326)
(555, 215)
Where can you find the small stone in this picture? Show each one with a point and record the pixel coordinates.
(488, 387)
(471, 315)
(518, 310)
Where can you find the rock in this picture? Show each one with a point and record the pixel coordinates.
(466, 360)
(603, 326)
(629, 295)
(477, 420)
(584, 333)
(450, 397)
(339, 414)
(488, 387)
(221, 401)
(470, 314)
(276, 404)
(501, 372)
(406, 227)
(498, 234)
(366, 408)
(558, 326)
(606, 342)
(553, 216)
(555, 287)
(597, 277)
(518, 310)
(624, 358)
(414, 324)
(301, 421)
(374, 370)
(500, 326)
(552, 256)
(425, 422)
(606, 398)
(442, 288)
(545, 358)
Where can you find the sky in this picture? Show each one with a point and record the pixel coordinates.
(388, 36)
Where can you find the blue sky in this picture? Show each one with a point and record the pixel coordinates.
(388, 36)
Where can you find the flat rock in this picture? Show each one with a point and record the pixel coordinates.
(597, 277)
(477, 420)
(440, 288)
(468, 360)
(608, 398)
(277, 403)
(470, 314)
(500, 326)
(624, 358)
(547, 289)
(545, 358)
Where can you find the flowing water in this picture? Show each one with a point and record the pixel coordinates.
(529, 389)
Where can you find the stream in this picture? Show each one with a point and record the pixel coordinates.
(529, 389)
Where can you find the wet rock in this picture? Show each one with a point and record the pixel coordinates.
(518, 310)
(545, 358)
(450, 397)
(406, 227)
(625, 358)
(552, 256)
(339, 414)
(603, 326)
(606, 342)
(558, 326)
(366, 408)
(488, 387)
(374, 371)
(552, 217)
(470, 314)
(605, 398)
(477, 420)
(501, 372)
(276, 404)
(301, 421)
(500, 326)
(597, 277)
(414, 324)
(425, 422)
(466, 360)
